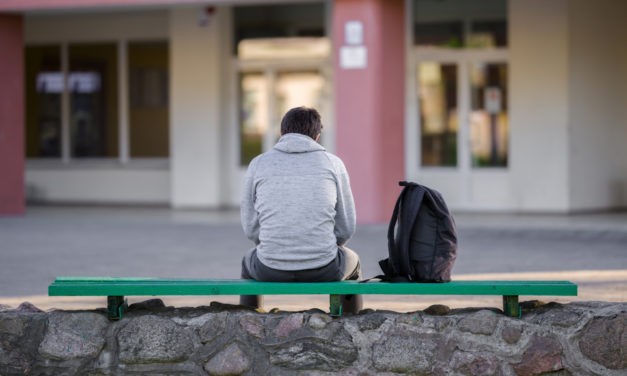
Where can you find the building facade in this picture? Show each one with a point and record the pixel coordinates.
(502, 105)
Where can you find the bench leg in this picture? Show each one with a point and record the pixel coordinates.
(335, 308)
(511, 306)
(116, 305)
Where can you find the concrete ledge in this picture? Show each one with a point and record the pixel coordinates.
(580, 338)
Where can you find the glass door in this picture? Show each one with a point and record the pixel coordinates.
(461, 104)
(439, 113)
(489, 130)
(265, 97)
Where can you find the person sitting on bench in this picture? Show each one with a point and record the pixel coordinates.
(298, 209)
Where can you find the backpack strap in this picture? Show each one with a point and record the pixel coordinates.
(388, 266)
(405, 213)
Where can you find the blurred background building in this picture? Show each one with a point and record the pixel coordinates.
(502, 105)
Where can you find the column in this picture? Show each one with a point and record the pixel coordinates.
(11, 115)
(196, 104)
(369, 74)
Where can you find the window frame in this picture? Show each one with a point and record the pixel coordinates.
(124, 158)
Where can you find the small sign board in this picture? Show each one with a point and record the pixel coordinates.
(354, 32)
(493, 100)
(353, 57)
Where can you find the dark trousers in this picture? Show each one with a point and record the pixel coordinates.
(345, 266)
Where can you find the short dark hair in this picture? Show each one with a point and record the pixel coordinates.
(303, 120)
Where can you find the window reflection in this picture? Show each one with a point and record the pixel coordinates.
(294, 89)
(439, 34)
(276, 22)
(437, 85)
(44, 85)
(489, 130)
(290, 89)
(148, 107)
(488, 34)
(478, 24)
(253, 115)
(93, 98)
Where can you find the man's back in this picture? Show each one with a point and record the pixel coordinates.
(297, 205)
(298, 209)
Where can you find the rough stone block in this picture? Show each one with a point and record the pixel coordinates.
(479, 363)
(148, 339)
(604, 340)
(313, 354)
(289, 324)
(230, 361)
(511, 333)
(74, 335)
(405, 352)
(253, 325)
(212, 328)
(319, 321)
(483, 322)
(543, 354)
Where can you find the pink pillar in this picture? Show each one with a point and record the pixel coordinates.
(11, 115)
(370, 101)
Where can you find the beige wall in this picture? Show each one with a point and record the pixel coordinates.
(103, 183)
(598, 99)
(196, 102)
(539, 83)
(569, 90)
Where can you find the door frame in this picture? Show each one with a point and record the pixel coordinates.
(271, 68)
(463, 171)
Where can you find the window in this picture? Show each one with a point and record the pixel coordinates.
(277, 21)
(488, 34)
(93, 86)
(489, 131)
(254, 115)
(281, 53)
(437, 95)
(148, 112)
(44, 85)
(90, 90)
(478, 24)
(439, 34)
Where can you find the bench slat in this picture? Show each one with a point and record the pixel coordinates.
(112, 286)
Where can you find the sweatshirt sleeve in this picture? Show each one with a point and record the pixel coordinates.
(248, 214)
(345, 219)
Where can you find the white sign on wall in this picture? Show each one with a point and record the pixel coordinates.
(354, 33)
(353, 57)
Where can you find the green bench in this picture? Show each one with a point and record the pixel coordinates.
(115, 289)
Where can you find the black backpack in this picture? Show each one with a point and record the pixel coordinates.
(422, 239)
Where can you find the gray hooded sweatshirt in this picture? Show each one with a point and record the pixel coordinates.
(297, 205)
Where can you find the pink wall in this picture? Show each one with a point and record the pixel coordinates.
(11, 115)
(370, 105)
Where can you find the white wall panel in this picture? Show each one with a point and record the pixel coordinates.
(598, 76)
(196, 103)
(105, 185)
(539, 82)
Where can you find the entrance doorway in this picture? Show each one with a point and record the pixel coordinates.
(297, 73)
(265, 96)
(460, 106)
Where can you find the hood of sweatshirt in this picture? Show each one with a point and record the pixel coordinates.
(297, 143)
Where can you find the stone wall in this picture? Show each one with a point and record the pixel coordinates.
(573, 339)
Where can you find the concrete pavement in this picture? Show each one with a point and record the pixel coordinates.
(51, 241)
